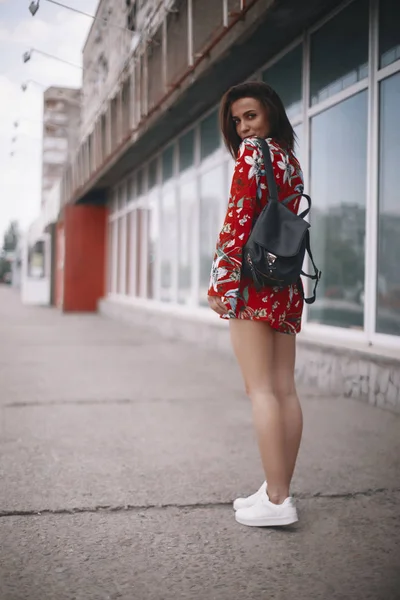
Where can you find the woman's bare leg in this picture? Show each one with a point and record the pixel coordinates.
(285, 390)
(253, 343)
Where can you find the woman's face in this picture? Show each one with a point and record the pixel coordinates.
(250, 118)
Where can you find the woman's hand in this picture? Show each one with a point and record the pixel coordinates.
(217, 305)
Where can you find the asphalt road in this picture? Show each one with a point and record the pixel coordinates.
(120, 455)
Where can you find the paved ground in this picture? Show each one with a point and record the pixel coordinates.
(121, 453)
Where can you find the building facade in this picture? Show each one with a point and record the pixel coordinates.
(61, 123)
(61, 127)
(152, 157)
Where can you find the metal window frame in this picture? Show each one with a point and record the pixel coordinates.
(371, 229)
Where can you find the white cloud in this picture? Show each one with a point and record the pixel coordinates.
(26, 31)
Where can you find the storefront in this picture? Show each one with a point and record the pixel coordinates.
(340, 83)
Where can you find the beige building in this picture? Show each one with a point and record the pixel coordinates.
(61, 123)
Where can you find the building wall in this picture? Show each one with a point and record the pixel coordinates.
(106, 51)
(118, 31)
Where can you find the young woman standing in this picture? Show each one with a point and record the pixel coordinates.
(263, 325)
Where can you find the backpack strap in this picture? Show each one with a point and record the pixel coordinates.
(269, 171)
(293, 197)
(317, 273)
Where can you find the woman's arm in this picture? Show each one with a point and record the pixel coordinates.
(227, 264)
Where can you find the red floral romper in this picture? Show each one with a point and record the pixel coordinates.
(282, 309)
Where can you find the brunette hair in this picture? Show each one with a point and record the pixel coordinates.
(280, 127)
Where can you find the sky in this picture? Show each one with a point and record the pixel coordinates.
(54, 30)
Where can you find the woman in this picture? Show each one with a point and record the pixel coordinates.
(263, 325)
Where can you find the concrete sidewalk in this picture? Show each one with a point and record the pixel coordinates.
(121, 453)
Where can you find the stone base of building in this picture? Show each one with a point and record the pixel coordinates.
(336, 370)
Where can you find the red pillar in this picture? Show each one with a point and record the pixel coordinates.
(85, 257)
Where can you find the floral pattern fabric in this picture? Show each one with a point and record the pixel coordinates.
(281, 308)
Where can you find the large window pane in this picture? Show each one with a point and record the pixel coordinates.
(187, 239)
(209, 135)
(388, 284)
(153, 236)
(136, 247)
(211, 196)
(153, 173)
(186, 150)
(131, 189)
(338, 187)
(285, 77)
(121, 196)
(168, 241)
(121, 251)
(389, 31)
(339, 52)
(168, 163)
(140, 182)
(129, 244)
(110, 266)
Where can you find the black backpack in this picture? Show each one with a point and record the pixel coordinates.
(274, 253)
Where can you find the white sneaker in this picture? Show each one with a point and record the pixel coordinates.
(265, 513)
(250, 500)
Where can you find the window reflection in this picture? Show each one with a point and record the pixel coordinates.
(120, 257)
(110, 266)
(187, 239)
(210, 138)
(186, 150)
(339, 52)
(388, 282)
(153, 173)
(168, 241)
(211, 196)
(338, 186)
(168, 163)
(285, 77)
(153, 237)
(389, 32)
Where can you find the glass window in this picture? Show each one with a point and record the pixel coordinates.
(110, 266)
(168, 242)
(153, 235)
(129, 244)
(186, 150)
(153, 173)
(120, 258)
(285, 77)
(388, 282)
(131, 192)
(135, 236)
(389, 31)
(168, 163)
(338, 190)
(112, 203)
(121, 196)
(212, 188)
(209, 135)
(187, 239)
(339, 52)
(140, 182)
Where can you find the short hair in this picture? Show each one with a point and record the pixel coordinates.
(281, 128)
